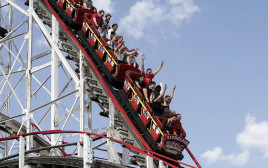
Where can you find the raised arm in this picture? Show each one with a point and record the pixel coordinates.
(119, 46)
(142, 63)
(135, 63)
(161, 95)
(156, 71)
(133, 52)
(128, 59)
(172, 93)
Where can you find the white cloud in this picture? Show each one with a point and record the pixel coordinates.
(214, 155)
(149, 16)
(105, 5)
(254, 136)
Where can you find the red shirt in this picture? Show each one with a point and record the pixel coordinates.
(98, 19)
(148, 79)
(178, 129)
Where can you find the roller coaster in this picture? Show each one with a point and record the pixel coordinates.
(106, 81)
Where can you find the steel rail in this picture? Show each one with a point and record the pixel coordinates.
(145, 152)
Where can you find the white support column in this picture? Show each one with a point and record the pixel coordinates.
(89, 111)
(161, 164)
(29, 139)
(87, 152)
(8, 70)
(112, 152)
(82, 93)
(109, 131)
(87, 145)
(125, 157)
(22, 152)
(149, 162)
(54, 81)
(82, 101)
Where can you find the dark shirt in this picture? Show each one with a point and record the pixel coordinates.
(142, 84)
(168, 126)
(149, 92)
(156, 107)
(165, 109)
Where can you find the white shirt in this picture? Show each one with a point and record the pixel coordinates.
(110, 31)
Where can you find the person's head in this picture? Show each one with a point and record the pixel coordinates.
(158, 89)
(122, 47)
(152, 85)
(120, 39)
(178, 117)
(167, 99)
(149, 72)
(142, 78)
(101, 13)
(172, 118)
(108, 17)
(114, 27)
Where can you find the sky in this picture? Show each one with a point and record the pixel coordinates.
(216, 53)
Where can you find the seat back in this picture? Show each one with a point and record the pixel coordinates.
(144, 114)
(154, 131)
(136, 99)
(92, 39)
(130, 76)
(101, 51)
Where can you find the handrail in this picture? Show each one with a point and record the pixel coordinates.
(101, 44)
(145, 108)
(71, 4)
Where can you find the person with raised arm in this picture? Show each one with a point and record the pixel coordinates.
(121, 54)
(149, 75)
(131, 60)
(165, 105)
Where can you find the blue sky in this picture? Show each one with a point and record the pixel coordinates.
(216, 53)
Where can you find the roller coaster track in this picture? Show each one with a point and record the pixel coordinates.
(98, 89)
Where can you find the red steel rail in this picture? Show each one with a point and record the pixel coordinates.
(145, 152)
